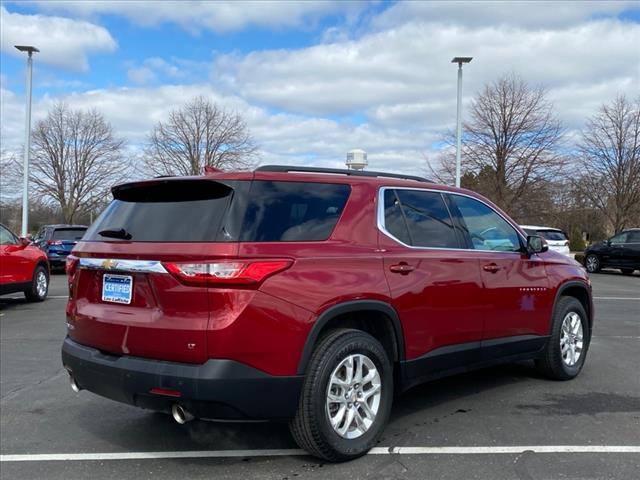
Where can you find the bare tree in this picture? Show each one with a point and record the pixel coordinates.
(510, 144)
(75, 159)
(610, 155)
(197, 135)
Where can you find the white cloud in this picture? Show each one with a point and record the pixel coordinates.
(404, 74)
(218, 16)
(528, 14)
(63, 42)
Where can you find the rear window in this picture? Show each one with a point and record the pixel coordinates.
(169, 211)
(552, 235)
(293, 211)
(207, 211)
(71, 234)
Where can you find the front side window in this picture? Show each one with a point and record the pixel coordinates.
(634, 237)
(618, 239)
(486, 229)
(427, 222)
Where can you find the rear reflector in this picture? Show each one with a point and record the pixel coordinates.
(226, 273)
(166, 392)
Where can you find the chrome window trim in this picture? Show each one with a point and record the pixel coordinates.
(384, 231)
(122, 265)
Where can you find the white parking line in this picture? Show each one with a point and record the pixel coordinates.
(616, 298)
(46, 457)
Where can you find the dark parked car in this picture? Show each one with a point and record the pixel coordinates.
(57, 241)
(23, 267)
(621, 251)
(311, 295)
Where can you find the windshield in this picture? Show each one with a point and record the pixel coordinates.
(70, 234)
(553, 235)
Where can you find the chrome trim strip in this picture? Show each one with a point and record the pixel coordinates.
(383, 230)
(121, 265)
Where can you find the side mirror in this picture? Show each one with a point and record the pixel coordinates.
(536, 244)
(24, 242)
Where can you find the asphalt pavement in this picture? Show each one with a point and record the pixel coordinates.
(501, 423)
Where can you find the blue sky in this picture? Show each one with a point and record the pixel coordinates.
(314, 79)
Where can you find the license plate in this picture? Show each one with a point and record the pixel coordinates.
(117, 288)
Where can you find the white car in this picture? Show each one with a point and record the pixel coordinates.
(556, 238)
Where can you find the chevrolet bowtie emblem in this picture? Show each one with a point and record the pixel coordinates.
(109, 264)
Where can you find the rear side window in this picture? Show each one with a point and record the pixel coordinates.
(427, 219)
(71, 234)
(171, 211)
(292, 211)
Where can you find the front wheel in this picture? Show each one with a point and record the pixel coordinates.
(592, 263)
(627, 271)
(565, 352)
(39, 285)
(346, 397)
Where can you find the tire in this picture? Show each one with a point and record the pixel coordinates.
(312, 428)
(627, 271)
(592, 263)
(39, 285)
(556, 361)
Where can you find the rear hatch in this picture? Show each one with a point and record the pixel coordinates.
(134, 279)
(64, 239)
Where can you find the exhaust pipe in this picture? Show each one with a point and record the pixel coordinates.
(180, 415)
(74, 386)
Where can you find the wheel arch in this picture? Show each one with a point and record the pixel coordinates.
(386, 322)
(580, 291)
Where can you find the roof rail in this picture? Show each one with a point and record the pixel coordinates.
(339, 171)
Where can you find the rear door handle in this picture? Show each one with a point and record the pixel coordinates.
(491, 267)
(402, 267)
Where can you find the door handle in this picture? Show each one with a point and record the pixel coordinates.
(491, 267)
(402, 268)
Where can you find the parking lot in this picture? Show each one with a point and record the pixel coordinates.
(501, 423)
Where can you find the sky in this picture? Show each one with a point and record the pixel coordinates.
(314, 79)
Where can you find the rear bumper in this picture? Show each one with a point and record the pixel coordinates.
(217, 389)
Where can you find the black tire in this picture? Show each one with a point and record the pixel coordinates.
(627, 271)
(311, 427)
(551, 363)
(34, 294)
(592, 263)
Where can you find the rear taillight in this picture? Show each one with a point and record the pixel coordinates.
(226, 273)
(54, 242)
(71, 265)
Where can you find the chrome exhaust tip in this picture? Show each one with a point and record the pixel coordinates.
(180, 415)
(74, 385)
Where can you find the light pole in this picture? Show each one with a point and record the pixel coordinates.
(27, 139)
(459, 61)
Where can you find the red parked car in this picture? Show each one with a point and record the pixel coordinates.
(311, 295)
(23, 267)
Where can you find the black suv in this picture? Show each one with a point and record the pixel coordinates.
(620, 251)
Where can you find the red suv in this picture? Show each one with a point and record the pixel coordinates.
(23, 267)
(312, 295)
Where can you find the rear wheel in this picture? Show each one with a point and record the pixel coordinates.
(346, 397)
(564, 355)
(39, 285)
(627, 271)
(592, 263)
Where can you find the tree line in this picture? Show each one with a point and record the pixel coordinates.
(515, 151)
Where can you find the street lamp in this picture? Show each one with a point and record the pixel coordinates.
(459, 61)
(27, 139)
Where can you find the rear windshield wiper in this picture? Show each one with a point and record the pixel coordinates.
(122, 233)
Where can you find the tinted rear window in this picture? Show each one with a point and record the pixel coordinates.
(71, 234)
(189, 211)
(553, 235)
(292, 211)
(207, 211)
